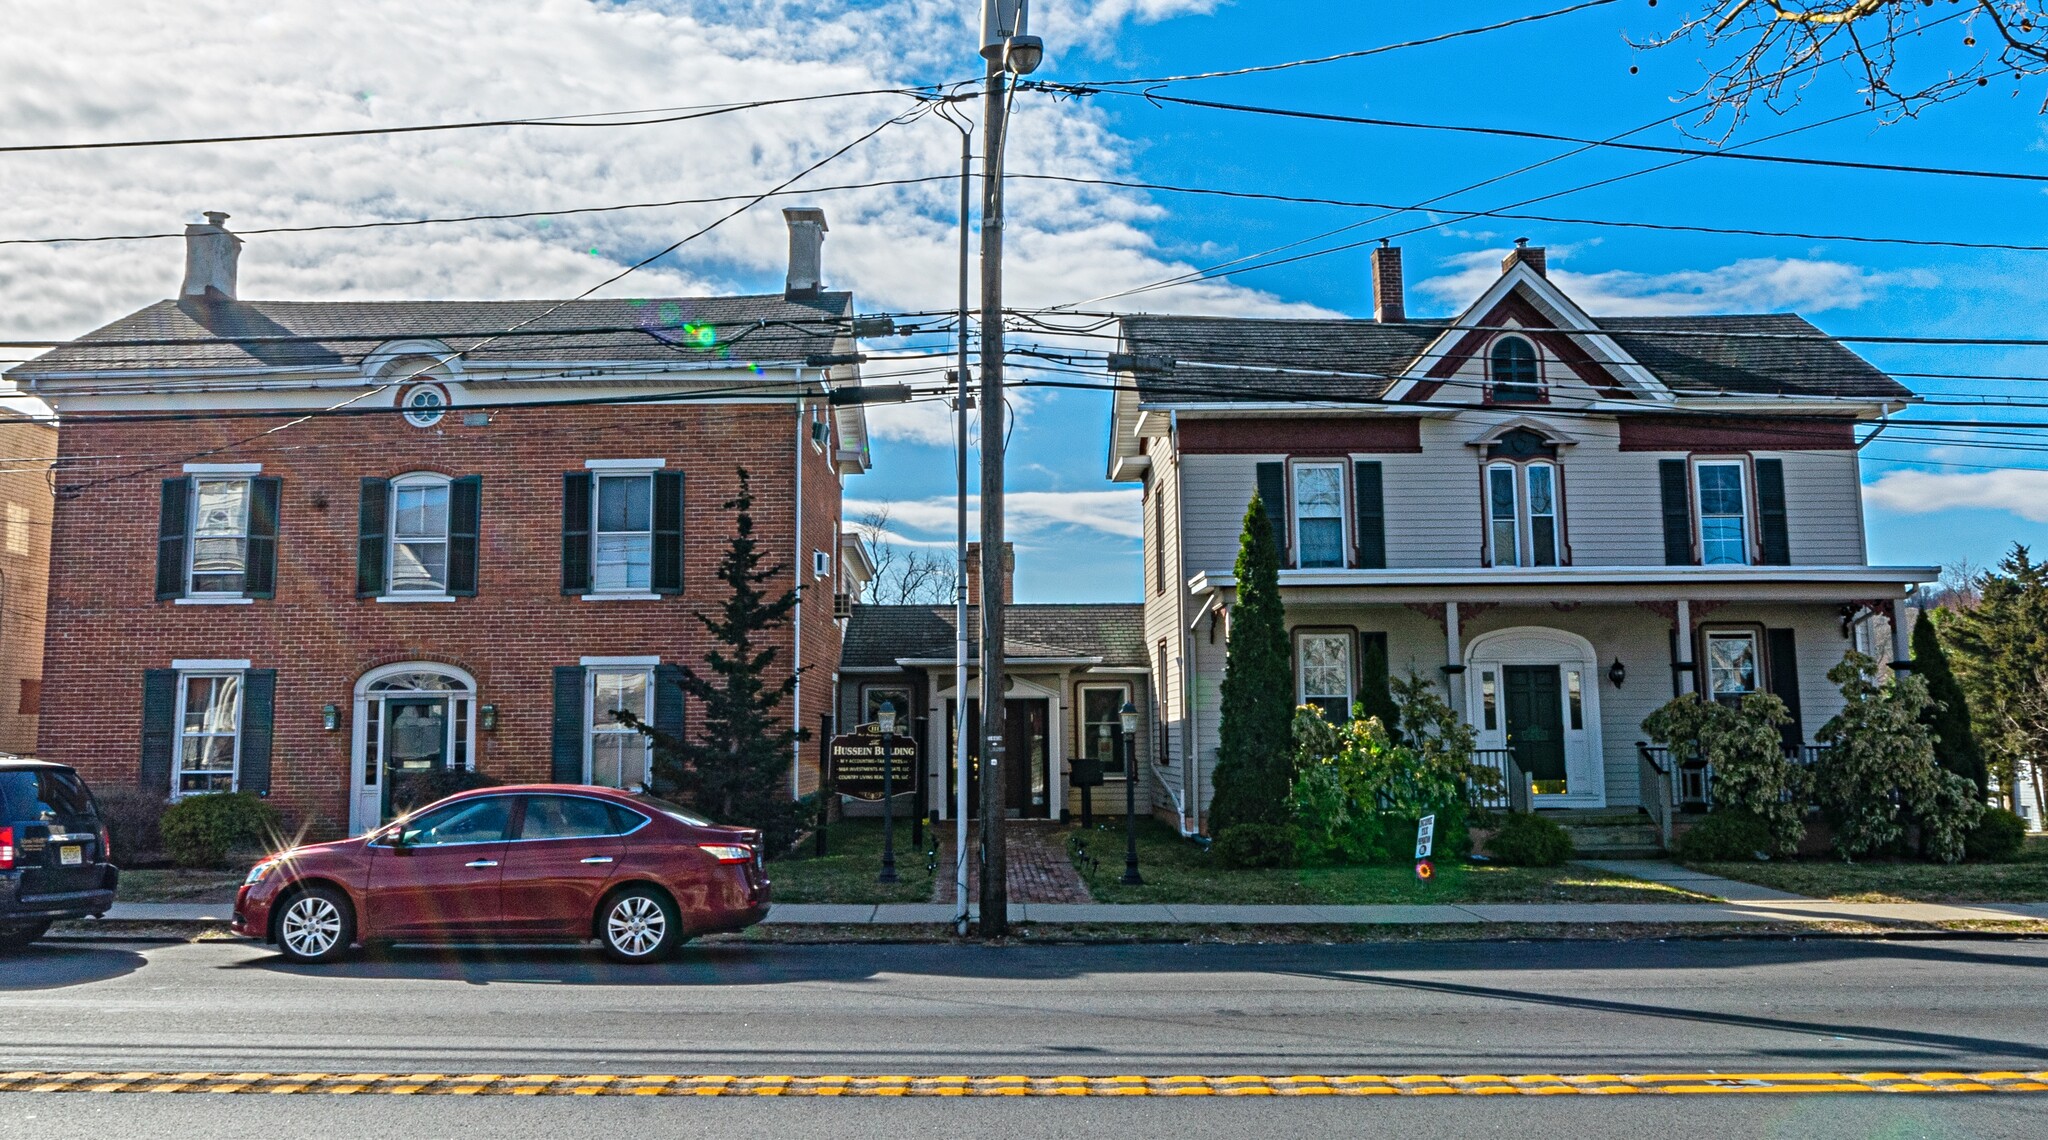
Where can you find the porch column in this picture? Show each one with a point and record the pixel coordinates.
(1902, 650)
(1681, 664)
(1454, 652)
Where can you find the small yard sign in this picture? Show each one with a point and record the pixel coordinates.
(1425, 836)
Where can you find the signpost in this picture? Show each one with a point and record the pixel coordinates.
(858, 768)
(1425, 842)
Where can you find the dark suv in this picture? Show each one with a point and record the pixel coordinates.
(53, 851)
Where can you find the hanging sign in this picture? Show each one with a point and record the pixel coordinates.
(857, 763)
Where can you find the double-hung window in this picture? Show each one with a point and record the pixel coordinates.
(622, 529)
(419, 534)
(1724, 513)
(624, 554)
(1733, 667)
(220, 536)
(619, 753)
(1522, 514)
(1323, 669)
(209, 732)
(1319, 514)
(1101, 719)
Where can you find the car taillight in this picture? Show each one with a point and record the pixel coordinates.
(728, 852)
(6, 849)
(106, 844)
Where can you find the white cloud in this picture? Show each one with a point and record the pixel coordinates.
(1761, 284)
(1026, 514)
(197, 67)
(2024, 493)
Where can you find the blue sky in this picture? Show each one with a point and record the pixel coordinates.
(1568, 76)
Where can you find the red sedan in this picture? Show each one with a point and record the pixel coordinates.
(541, 862)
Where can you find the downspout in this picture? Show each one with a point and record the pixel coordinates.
(796, 696)
(1191, 755)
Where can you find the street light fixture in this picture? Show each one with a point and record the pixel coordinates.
(885, 719)
(1129, 714)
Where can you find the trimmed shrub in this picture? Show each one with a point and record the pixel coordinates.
(199, 831)
(134, 820)
(1248, 845)
(1529, 840)
(1727, 837)
(411, 791)
(1751, 772)
(1998, 837)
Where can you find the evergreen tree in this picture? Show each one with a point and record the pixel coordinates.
(1955, 743)
(736, 770)
(1254, 759)
(2000, 649)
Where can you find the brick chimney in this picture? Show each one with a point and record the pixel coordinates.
(211, 253)
(974, 573)
(806, 252)
(1525, 254)
(1388, 303)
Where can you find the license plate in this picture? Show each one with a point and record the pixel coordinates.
(71, 856)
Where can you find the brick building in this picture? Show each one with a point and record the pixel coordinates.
(28, 447)
(303, 547)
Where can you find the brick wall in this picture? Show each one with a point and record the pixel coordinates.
(25, 502)
(105, 626)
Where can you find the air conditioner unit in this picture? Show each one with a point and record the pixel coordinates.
(821, 433)
(821, 564)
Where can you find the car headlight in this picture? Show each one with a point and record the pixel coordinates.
(260, 872)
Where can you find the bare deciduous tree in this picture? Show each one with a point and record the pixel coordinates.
(904, 576)
(1907, 54)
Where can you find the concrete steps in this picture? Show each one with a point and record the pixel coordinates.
(1611, 835)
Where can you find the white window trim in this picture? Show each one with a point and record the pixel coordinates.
(178, 724)
(415, 479)
(591, 727)
(1699, 515)
(617, 662)
(214, 600)
(624, 466)
(223, 469)
(1493, 380)
(1343, 507)
(1081, 722)
(218, 597)
(1515, 517)
(620, 468)
(211, 665)
(1301, 640)
(1709, 634)
(1556, 515)
(623, 597)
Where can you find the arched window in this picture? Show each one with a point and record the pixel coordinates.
(1515, 375)
(419, 534)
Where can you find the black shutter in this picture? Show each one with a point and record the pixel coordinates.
(260, 580)
(1782, 659)
(576, 534)
(668, 532)
(568, 731)
(373, 523)
(172, 528)
(668, 700)
(259, 704)
(1375, 690)
(159, 710)
(1770, 509)
(465, 506)
(1273, 493)
(1370, 507)
(1671, 480)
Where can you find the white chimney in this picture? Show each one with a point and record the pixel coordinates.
(210, 256)
(806, 252)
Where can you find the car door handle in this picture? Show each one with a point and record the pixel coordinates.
(482, 863)
(599, 859)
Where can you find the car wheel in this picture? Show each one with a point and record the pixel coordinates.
(16, 937)
(640, 924)
(316, 925)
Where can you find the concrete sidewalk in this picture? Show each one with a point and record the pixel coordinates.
(898, 914)
(1687, 879)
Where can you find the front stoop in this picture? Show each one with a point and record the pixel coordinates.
(1610, 834)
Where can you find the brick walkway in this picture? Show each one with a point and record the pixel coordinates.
(1040, 871)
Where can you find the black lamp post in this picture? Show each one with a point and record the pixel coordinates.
(886, 720)
(1129, 714)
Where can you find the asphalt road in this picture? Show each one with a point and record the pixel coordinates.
(1425, 1008)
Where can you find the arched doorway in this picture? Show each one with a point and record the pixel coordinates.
(409, 717)
(1534, 691)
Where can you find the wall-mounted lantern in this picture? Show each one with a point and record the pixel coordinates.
(1617, 673)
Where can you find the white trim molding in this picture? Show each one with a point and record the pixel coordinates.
(415, 597)
(616, 662)
(623, 597)
(223, 469)
(624, 464)
(209, 664)
(215, 600)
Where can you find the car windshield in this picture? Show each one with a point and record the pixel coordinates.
(25, 796)
(674, 811)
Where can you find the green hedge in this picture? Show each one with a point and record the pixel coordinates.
(1527, 840)
(199, 831)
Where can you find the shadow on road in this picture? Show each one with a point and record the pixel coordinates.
(54, 966)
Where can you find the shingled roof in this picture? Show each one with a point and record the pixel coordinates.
(1695, 355)
(877, 636)
(233, 334)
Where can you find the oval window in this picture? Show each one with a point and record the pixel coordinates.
(424, 405)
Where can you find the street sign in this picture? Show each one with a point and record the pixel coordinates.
(1425, 836)
(857, 763)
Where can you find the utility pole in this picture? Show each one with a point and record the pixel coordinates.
(1008, 51)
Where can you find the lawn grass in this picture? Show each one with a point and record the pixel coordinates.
(1177, 870)
(177, 885)
(1876, 881)
(846, 874)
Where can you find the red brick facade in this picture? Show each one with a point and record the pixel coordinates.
(106, 627)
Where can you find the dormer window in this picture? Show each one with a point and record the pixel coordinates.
(1515, 375)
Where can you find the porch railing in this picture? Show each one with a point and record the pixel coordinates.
(1513, 793)
(1689, 787)
(1659, 793)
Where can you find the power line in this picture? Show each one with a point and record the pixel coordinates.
(685, 114)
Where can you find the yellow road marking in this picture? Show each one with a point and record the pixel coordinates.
(958, 1085)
